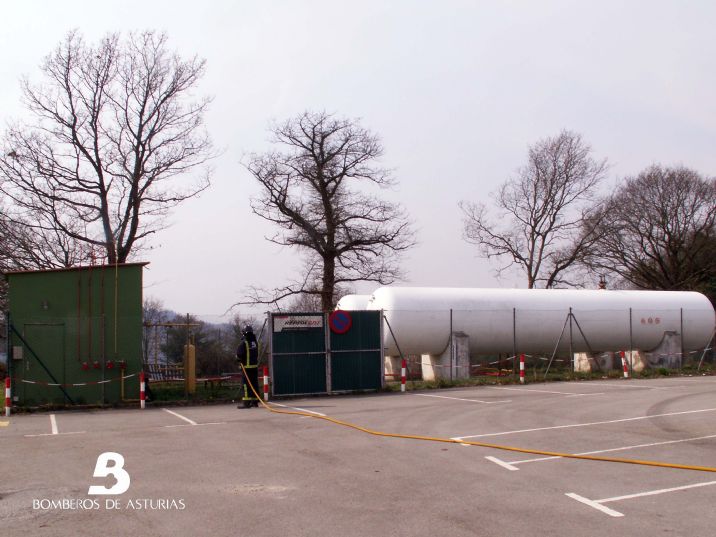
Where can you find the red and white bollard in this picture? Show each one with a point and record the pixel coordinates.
(142, 387)
(266, 384)
(402, 375)
(624, 365)
(522, 368)
(8, 397)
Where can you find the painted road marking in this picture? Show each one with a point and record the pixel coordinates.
(598, 504)
(540, 391)
(655, 387)
(571, 425)
(53, 423)
(52, 434)
(195, 424)
(190, 422)
(299, 409)
(4, 423)
(500, 462)
(461, 399)
(591, 503)
(510, 465)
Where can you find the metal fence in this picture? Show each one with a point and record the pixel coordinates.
(554, 340)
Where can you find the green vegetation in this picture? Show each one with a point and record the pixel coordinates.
(207, 392)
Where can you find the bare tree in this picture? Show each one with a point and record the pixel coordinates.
(114, 126)
(540, 211)
(25, 248)
(658, 231)
(310, 191)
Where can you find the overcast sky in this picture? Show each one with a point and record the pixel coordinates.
(456, 90)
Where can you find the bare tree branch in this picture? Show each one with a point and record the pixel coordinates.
(657, 231)
(114, 128)
(309, 190)
(540, 211)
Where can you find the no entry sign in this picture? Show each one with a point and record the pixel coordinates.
(340, 321)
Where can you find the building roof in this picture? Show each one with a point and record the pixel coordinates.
(71, 269)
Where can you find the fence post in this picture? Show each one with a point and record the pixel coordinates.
(8, 397)
(514, 342)
(402, 375)
(522, 368)
(631, 343)
(624, 364)
(266, 384)
(142, 387)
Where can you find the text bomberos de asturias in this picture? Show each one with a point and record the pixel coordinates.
(90, 504)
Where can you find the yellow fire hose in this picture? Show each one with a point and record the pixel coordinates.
(472, 443)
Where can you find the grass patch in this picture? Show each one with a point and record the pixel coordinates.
(205, 391)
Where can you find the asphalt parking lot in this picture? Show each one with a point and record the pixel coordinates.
(219, 470)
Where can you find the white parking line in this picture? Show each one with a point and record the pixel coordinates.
(653, 387)
(194, 424)
(190, 422)
(52, 434)
(540, 391)
(571, 425)
(510, 465)
(299, 409)
(461, 399)
(597, 504)
(54, 430)
(591, 503)
(499, 461)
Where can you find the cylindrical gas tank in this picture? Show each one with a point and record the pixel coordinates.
(353, 302)
(531, 320)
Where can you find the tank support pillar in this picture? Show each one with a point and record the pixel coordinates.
(452, 364)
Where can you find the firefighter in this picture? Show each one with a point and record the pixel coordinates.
(248, 356)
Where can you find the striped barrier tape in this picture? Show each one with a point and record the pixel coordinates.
(71, 385)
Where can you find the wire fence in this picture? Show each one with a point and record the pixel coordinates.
(556, 341)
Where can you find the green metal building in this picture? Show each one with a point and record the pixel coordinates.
(73, 334)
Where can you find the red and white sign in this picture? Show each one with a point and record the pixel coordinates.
(296, 322)
(340, 321)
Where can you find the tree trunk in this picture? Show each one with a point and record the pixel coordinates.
(329, 283)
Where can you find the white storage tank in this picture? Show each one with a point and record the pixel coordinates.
(353, 302)
(531, 320)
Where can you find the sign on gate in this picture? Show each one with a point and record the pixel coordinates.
(340, 321)
(296, 322)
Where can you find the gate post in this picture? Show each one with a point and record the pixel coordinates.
(327, 336)
(270, 347)
(8, 397)
(142, 385)
(9, 355)
(266, 384)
